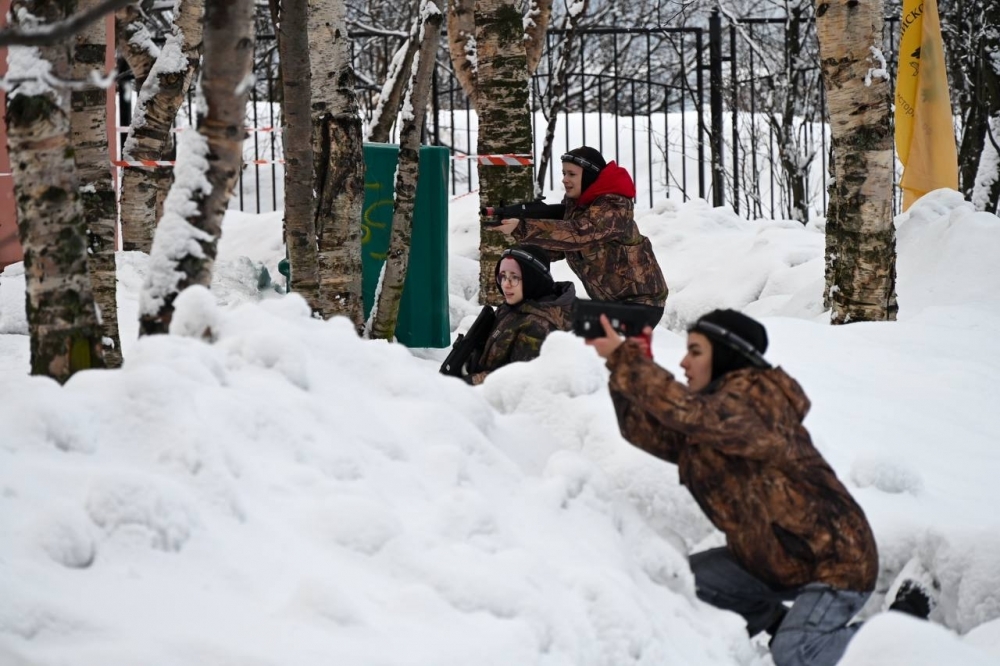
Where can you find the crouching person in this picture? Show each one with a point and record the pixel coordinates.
(793, 532)
(597, 234)
(534, 305)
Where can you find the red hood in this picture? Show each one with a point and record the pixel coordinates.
(612, 180)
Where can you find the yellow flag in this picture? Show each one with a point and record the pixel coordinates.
(925, 136)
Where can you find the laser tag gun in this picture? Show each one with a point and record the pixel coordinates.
(468, 346)
(629, 320)
(538, 210)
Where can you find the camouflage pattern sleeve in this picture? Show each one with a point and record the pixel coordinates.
(723, 420)
(605, 219)
(528, 343)
(640, 428)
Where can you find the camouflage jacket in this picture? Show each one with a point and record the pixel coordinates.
(520, 330)
(744, 455)
(603, 246)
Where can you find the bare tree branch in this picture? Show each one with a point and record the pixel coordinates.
(56, 32)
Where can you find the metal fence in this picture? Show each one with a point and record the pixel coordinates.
(733, 113)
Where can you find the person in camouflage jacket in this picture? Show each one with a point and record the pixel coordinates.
(534, 306)
(597, 233)
(793, 531)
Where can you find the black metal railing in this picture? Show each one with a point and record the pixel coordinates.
(733, 113)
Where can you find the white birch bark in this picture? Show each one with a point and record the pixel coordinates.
(861, 239)
(135, 43)
(387, 108)
(63, 326)
(150, 134)
(209, 162)
(338, 157)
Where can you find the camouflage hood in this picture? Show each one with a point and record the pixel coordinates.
(784, 385)
(555, 308)
(790, 388)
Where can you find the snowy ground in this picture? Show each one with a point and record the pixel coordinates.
(291, 495)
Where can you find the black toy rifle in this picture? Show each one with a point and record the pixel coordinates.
(538, 210)
(468, 346)
(629, 320)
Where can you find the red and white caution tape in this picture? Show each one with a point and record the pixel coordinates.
(509, 159)
(142, 163)
(125, 128)
(493, 160)
(459, 196)
(166, 163)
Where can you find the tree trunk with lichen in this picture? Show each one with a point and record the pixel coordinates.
(150, 133)
(65, 335)
(216, 162)
(462, 45)
(338, 158)
(89, 127)
(504, 124)
(861, 245)
(390, 291)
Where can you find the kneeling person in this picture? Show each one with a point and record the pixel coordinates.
(793, 531)
(534, 305)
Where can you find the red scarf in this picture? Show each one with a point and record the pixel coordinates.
(612, 180)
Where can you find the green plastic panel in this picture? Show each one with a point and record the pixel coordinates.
(423, 312)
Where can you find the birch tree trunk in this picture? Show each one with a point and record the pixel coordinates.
(863, 271)
(145, 188)
(300, 206)
(986, 193)
(62, 318)
(832, 233)
(986, 187)
(536, 24)
(209, 162)
(462, 46)
(135, 43)
(338, 157)
(89, 128)
(387, 108)
(386, 312)
(504, 124)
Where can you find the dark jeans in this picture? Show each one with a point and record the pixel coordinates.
(813, 633)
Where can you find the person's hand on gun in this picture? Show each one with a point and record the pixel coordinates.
(507, 226)
(509, 216)
(611, 341)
